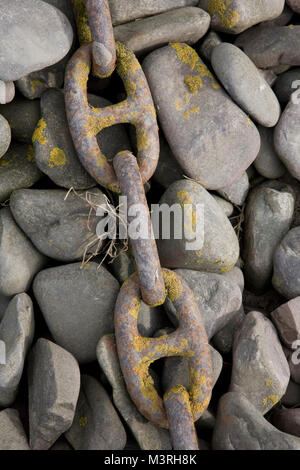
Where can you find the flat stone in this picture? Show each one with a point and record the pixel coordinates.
(226, 206)
(148, 435)
(78, 306)
(16, 332)
(287, 420)
(33, 35)
(22, 116)
(287, 321)
(218, 299)
(17, 170)
(55, 153)
(220, 249)
(237, 191)
(287, 139)
(211, 40)
(210, 136)
(294, 4)
(5, 135)
(54, 383)
(240, 426)
(269, 47)
(237, 15)
(12, 434)
(60, 226)
(187, 25)
(286, 276)
(243, 82)
(268, 216)
(283, 86)
(259, 369)
(96, 424)
(123, 11)
(291, 398)
(267, 162)
(19, 260)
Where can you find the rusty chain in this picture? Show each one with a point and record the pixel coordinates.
(179, 407)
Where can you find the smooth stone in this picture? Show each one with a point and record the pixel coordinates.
(16, 332)
(148, 435)
(218, 299)
(268, 216)
(19, 260)
(22, 116)
(55, 153)
(243, 82)
(287, 420)
(236, 276)
(283, 87)
(294, 4)
(287, 137)
(210, 136)
(60, 226)
(211, 40)
(17, 170)
(283, 19)
(168, 169)
(291, 398)
(240, 426)
(237, 191)
(267, 162)
(123, 11)
(265, 303)
(223, 339)
(286, 318)
(7, 92)
(123, 265)
(259, 368)
(53, 383)
(12, 434)
(5, 136)
(269, 76)
(78, 306)
(237, 15)
(38, 34)
(220, 250)
(226, 206)
(269, 47)
(187, 25)
(96, 424)
(286, 276)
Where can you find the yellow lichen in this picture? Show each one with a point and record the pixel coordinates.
(30, 154)
(194, 82)
(82, 71)
(269, 383)
(186, 115)
(271, 398)
(141, 343)
(57, 158)
(228, 16)
(186, 54)
(38, 133)
(142, 139)
(178, 104)
(134, 310)
(173, 285)
(34, 84)
(83, 421)
(83, 29)
(190, 213)
(195, 109)
(146, 383)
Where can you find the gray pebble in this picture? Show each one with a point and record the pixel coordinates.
(287, 321)
(226, 206)
(237, 191)
(211, 40)
(5, 136)
(22, 116)
(12, 434)
(267, 162)
(286, 276)
(78, 306)
(54, 383)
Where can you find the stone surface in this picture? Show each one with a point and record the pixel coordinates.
(269, 47)
(12, 434)
(287, 421)
(287, 137)
(286, 276)
(218, 299)
(53, 382)
(187, 25)
(60, 226)
(22, 116)
(148, 435)
(55, 152)
(243, 82)
(294, 4)
(19, 260)
(287, 321)
(210, 136)
(33, 35)
(240, 426)
(219, 251)
(78, 306)
(16, 331)
(96, 424)
(237, 191)
(267, 162)
(237, 15)
(123, 11)
(5, 135)
(168, 169)
(283, 87)
(259, 369)
(226, 206)
(211, 40)
(268, 216)
(7, 92)
(17, 170)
